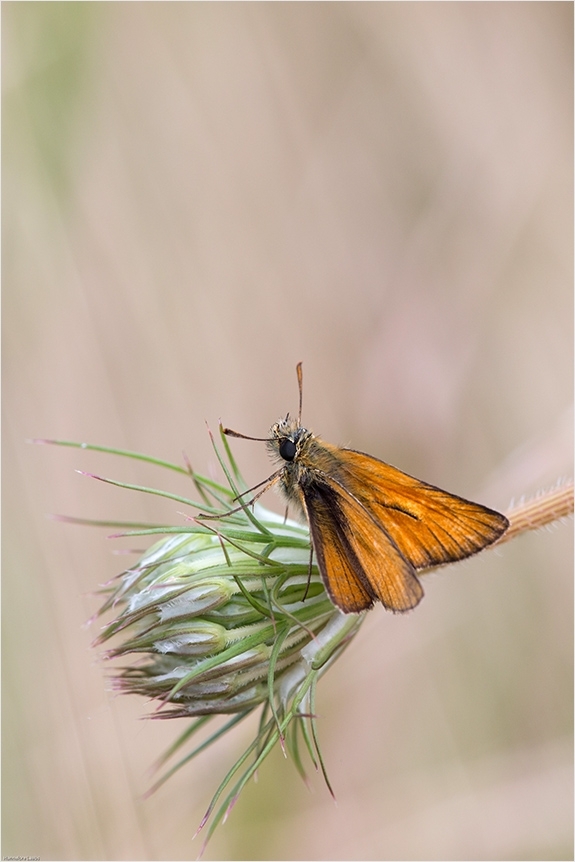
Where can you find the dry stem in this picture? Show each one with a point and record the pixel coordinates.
(543, 509)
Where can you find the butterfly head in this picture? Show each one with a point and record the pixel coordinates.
(288, 439)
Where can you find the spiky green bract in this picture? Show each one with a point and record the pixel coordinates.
(222, 617)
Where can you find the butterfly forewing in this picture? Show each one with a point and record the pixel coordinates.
(429, 526)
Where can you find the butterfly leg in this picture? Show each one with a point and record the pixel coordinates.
(308, 573)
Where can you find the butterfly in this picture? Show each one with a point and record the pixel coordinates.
(372, 526)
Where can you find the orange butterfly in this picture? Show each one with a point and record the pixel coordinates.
(372, 526)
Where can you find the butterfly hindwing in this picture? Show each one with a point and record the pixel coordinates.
(358, 561)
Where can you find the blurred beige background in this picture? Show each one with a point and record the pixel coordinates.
(197, 196)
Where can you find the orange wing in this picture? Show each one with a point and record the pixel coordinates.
(373, 526)
(428, 526)
(358, 561)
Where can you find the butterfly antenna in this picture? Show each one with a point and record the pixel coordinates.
(230, 433)
(299, 373)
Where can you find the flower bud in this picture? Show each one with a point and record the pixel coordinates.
(217, 617)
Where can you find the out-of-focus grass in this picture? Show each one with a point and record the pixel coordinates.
(196, 196)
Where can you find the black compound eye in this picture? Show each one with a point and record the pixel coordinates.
(287, 449)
